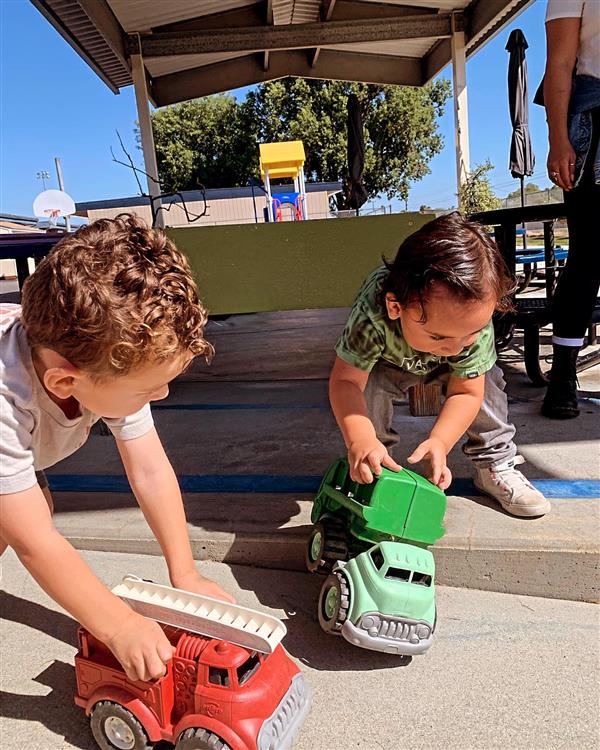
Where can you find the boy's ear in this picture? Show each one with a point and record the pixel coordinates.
(393, 306)
(62, 379)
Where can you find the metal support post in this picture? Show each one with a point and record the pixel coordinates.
(138, 72)
(61, 186)
(269, 197)
(461, 112)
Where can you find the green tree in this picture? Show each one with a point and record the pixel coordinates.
(530, 187)
(535, 195)
(215, 140)
(208, 141)
(476, 192)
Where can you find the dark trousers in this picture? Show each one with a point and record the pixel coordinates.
(577, 288)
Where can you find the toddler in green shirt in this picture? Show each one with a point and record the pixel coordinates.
(428, 316)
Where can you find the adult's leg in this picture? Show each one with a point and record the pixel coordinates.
(577, 289)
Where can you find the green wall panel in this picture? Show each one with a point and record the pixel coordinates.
(292, 265)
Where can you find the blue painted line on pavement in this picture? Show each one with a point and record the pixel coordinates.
(563, 489)
(284, 484)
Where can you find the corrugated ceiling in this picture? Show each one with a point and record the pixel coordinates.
(98, 30)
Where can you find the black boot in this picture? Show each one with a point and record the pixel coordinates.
(560, 401)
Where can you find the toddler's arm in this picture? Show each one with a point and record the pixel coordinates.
(366, 453)
(463, 400)
(155, 486)
(138, 643)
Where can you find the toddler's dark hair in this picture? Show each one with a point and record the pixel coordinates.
(452, 251)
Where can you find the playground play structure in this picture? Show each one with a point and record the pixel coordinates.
(284, 160)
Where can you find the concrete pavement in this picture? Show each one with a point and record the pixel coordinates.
(505, 671)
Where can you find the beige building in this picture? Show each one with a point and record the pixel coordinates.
(223, 206)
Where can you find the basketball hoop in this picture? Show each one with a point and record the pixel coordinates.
(53, 204)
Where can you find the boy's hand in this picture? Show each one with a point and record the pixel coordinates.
(366, 458)
(198, 584)
(142, 648)
(434, 450)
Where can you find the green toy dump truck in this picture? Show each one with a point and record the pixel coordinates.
(383, 599)
(349, 517)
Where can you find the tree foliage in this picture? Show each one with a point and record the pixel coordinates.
(530, 187)
(535, 195)
(215, 140)
(476, 192)
(206, 141)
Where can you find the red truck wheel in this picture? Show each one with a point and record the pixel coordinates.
(115, 727)
(200, 739)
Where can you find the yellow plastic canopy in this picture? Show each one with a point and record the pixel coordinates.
(282, 159)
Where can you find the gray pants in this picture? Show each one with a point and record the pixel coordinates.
(490, 436)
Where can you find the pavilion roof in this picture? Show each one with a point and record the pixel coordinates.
(192, 48)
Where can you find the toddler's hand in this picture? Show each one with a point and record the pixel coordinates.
(142, 648)
(366, 458)
(434, 451)
(198, 584)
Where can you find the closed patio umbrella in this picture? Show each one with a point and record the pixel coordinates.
(356, 193)
(522, 159)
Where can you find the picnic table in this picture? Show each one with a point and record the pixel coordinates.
(532, 313)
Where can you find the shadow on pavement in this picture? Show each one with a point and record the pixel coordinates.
(56, 710)
(55, 624)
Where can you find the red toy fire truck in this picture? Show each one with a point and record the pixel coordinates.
(244, 693)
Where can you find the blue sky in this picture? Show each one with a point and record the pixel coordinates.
(53, 104)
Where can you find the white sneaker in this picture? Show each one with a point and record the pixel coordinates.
(511, 489)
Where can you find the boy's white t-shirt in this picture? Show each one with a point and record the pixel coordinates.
(588, 54)
(34, 431)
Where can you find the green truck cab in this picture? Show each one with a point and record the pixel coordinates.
(349, 517)
(383, 599)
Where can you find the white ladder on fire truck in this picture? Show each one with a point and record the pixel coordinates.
(202, 614)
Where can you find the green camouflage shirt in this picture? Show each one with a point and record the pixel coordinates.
(370, 335)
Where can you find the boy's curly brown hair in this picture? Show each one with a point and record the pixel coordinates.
(114, 296)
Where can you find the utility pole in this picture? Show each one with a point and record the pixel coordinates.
(61, 186)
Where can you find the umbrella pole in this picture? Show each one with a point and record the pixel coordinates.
(523, 206)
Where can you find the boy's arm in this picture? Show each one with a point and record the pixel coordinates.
(366, 453)
(155, 486)
(463, 401)
(26, 525)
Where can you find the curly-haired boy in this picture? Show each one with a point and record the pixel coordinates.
(108, 319)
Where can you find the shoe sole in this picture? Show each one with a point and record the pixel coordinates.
(552, 413)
